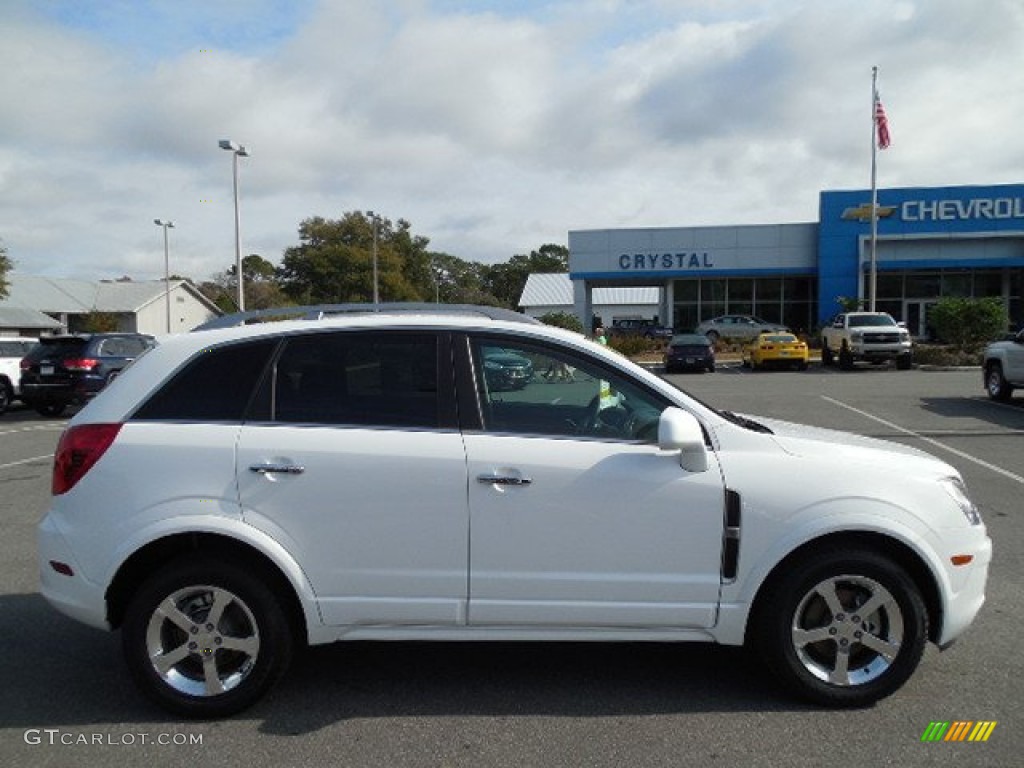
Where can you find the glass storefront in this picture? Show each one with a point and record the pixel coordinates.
(908, 295)
(787, 300)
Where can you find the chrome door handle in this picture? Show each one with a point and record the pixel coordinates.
(496, 479)
(282, 469)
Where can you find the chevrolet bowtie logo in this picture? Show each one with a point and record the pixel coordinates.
(863, 212)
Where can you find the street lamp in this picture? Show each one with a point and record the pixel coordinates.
(167, 267)
(376, 291)
(237, 150)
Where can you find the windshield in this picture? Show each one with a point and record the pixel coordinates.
(859, 321)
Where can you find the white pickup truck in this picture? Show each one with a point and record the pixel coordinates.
(870, 336)
(1003, 366)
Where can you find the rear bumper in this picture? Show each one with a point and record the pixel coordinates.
(71, 594)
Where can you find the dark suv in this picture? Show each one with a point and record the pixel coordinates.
(72, 369)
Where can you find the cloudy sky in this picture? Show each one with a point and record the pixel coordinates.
(493, 127)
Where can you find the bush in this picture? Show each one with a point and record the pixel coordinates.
(940, 354)
(968, 323)
(635, 345)
(562, 320)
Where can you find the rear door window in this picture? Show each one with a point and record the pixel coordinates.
(358, 378)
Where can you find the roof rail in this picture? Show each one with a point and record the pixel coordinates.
(320, 311)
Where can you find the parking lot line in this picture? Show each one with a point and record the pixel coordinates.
(930, 441)
(26, 461)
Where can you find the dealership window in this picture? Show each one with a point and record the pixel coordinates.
(789, 300)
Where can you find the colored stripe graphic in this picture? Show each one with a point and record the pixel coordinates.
(982, 731)
(959, 730)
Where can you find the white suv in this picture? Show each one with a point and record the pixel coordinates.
(12, 350)
(239, 492)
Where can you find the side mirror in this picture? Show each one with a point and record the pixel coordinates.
(679, 430)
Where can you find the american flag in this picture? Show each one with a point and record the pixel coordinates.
(882, 122)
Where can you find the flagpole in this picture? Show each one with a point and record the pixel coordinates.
(873, 277)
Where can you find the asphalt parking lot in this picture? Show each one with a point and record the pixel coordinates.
(66, 698)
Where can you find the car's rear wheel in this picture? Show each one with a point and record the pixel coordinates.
(845, 628)
(205, 637)
(51, 410)
(995, 383)
(6, 395)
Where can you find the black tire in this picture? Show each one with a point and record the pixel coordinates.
(713, 336)
(819, 652)
(845, 358)
(995, 383)
(826, 354)
(905, 362)
(243, 653)
(51, 410)
(6, 395)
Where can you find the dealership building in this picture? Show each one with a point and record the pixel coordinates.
(931, 243)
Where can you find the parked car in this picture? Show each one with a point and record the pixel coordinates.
(506, 370)
(1003, 366)
(689, 351)
(12, 350)
(779, 350)
(67, 369)
(640, 327)
(238, 492)
(737, 327)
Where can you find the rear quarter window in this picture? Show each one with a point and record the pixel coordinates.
(216, 385)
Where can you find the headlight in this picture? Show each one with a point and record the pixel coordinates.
(954, 486)
(856, 335)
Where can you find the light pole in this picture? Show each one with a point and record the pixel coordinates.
(376, 291)
(167, 267)
(237, 150)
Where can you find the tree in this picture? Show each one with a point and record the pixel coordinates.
(5, 266)
(262, 288)
(459, 282)
(334, 262)
(968, 323)
(562, 320)
(506, 281)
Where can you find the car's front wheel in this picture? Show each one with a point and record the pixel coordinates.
(205, 637)
(844, 628)
(6, 395)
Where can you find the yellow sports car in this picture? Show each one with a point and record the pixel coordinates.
(776, 349)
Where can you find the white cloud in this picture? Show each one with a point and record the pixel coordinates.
(492, 128)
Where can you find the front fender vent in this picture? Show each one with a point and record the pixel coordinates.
(731, 536)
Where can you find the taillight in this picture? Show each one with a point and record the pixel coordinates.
(25, 364)
(78, 450)
(81, 363)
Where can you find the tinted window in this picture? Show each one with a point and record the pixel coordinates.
(10, 348)
(57, 349)
(215, 386)
(374, 379)
(122, 346)
(528, 389)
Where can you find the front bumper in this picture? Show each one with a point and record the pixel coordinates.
(967, 586)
